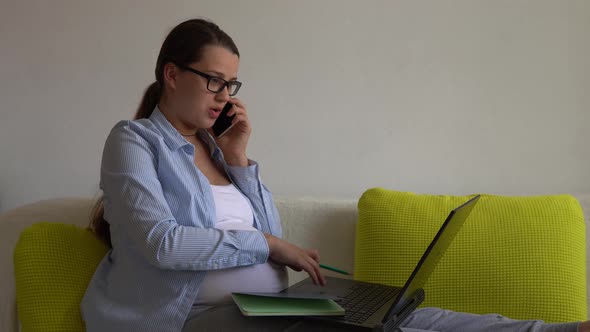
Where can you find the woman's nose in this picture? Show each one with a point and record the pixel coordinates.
(223, 95)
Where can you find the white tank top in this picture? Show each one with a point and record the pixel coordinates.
(234, 212)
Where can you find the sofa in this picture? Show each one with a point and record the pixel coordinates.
(326, 224)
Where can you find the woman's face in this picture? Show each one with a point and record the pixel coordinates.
(196, 106)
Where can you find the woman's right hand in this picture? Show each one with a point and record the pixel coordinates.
(296, 258)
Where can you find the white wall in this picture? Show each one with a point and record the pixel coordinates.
(426, 96)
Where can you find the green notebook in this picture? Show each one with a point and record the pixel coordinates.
(260, 305)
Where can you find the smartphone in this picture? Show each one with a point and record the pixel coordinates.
(223, 122)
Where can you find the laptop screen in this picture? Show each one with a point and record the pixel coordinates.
(432, 255)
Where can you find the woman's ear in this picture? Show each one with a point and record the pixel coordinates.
(170, 75)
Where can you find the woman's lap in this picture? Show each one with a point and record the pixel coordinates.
(229, 318)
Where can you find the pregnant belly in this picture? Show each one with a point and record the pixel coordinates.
(218, 285)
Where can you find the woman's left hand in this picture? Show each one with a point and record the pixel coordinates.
(234, 142)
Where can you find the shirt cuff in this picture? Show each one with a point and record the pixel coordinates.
(255, 250)
(246, 177)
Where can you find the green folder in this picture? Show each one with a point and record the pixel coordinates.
(260, 305)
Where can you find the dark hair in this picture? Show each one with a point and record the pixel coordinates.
(183, 46)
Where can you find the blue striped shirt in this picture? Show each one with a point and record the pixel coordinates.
(161, 213)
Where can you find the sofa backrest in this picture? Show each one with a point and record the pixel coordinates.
(325, 224)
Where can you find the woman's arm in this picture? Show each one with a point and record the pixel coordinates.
(247, 178)
(244, 174)
(135, 205)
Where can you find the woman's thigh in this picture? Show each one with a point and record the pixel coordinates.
(228, 317)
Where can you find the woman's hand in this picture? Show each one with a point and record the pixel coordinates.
(234, 142)
(296, 258)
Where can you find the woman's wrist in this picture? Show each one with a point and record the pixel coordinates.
(237, 160)
(270, 239)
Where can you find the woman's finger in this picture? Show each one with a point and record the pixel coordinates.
(316, 270)
(237, 102)
(314, 254)
(295, 268)
(237, 113)
(311, 271)
(239, 117)
(236, 108)
(320, 276)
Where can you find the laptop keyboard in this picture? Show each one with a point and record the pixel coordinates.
(364, 300)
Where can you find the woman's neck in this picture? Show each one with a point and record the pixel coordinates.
(167, 110)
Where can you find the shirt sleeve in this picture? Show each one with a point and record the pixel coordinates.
(247, 178)
(135, 205)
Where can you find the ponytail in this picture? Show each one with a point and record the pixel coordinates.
(150, 99)
(98, 224)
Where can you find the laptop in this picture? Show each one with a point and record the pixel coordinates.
(378, 307)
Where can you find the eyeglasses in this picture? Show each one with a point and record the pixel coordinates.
(216, 84)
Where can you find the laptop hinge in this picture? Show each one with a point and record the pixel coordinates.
(389, 326)
(392, 323)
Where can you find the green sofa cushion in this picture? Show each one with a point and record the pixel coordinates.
(522, 257)
(53, 264)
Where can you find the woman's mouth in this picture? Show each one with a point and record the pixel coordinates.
(213, 113)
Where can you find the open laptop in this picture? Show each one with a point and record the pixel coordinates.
(378, 307)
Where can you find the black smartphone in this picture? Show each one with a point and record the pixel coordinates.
(223, 122)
